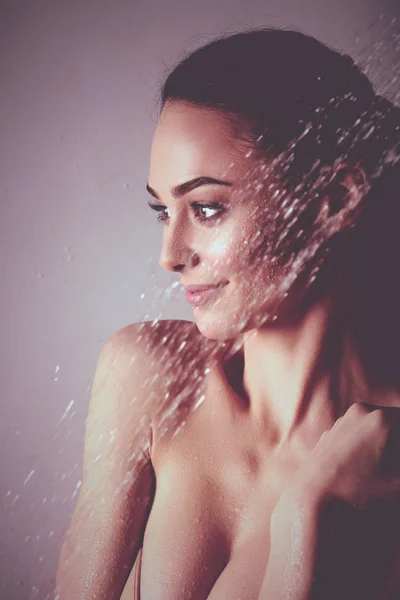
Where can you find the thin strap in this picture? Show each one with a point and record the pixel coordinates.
(138, 570)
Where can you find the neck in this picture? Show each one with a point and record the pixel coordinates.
(293, 373)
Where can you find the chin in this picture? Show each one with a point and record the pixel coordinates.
(221, 326)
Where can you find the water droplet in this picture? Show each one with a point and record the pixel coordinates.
(29, 476)
(67, 410)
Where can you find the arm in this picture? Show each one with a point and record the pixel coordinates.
(324, 549)
(335, 529)
(292, 558)
(108, 522)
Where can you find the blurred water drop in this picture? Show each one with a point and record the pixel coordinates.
(29, 476)
(77, 488)
(67, 410)
(56, 370)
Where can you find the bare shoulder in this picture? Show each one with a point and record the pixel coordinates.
(172, 357)
(160, 340)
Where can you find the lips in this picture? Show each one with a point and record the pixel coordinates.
(198, 294)
(200, 287)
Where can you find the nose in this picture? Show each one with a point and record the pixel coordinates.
(176, 251)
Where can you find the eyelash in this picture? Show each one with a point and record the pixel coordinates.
(161, 217)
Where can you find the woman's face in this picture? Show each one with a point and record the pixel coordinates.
(214, 230)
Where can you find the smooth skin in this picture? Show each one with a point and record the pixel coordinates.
(273, 474)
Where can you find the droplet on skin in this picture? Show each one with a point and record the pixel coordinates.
(199, 401)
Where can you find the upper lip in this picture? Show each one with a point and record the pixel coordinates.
(203, 286)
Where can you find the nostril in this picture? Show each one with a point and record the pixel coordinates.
(178, 268)
(194, 260)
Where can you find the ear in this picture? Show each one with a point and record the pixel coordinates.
(347, 188)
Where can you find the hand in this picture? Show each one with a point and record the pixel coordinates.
(357, 461)
(342, 510)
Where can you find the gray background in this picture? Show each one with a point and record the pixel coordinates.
(79, 247)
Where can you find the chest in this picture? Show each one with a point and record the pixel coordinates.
(208, 531)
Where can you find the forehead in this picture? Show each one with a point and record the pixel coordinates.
(191, 141)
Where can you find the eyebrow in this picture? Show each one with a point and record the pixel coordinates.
(188, 186)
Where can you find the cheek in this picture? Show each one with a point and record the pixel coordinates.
(229, 252)
(222, 253)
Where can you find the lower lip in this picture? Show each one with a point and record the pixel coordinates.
(196, 298)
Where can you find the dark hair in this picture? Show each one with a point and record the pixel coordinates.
(288, 87)
(315, 108)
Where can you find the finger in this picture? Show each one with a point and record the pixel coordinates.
(370, 407)
(392, 412)
(388, 415)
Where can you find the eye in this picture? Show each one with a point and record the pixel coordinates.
(160, 209)
(203, 211)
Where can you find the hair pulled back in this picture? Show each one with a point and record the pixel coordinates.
(289, 87)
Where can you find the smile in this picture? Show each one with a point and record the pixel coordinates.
(195, 298)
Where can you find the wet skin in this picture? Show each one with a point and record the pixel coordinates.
(217, 483)
(265, 408)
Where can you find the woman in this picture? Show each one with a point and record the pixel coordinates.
(253, 454)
